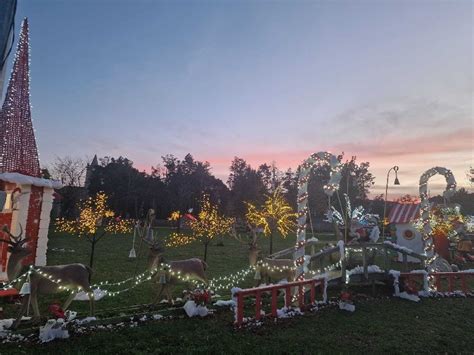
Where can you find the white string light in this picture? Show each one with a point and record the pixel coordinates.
(302, 200)
(425, 206)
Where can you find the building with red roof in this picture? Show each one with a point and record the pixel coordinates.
(401, 218)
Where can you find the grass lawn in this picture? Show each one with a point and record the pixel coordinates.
(112, 263)
(381, 325)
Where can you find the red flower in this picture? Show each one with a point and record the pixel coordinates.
(346, 296)
(56, 310)
(201, 296)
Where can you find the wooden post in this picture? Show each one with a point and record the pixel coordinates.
(240, 308)
(405, 262)
(364, 261)
(437, 282)
(274, 302)
(463, 282)
(312, 294)
(287, 296)
(323, 285)
(411, 281)
(343, 269)
(258, 305)
(451, 283)
(301, 296)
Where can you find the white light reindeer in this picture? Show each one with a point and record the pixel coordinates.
(45, 279)
(254, 250)
(170, 273)
(266, 269)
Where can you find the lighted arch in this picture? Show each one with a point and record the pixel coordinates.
(329, 188)
(425, 205)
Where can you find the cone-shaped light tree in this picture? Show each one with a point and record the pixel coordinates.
(18, 150)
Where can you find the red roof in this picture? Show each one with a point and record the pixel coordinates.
(190, 217)
(404, 213)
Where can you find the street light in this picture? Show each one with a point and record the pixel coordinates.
(395, 182)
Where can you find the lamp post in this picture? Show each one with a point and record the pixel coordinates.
(395, 182)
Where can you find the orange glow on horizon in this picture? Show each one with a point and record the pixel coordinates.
(414, 155)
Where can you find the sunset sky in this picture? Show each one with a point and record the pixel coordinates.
(388, 81)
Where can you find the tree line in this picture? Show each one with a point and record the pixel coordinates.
(178, 185)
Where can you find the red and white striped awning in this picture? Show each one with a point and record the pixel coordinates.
(404, 213)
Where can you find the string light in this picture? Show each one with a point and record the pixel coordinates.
(10, 284)
(444, 222)
(229, 281)
(302, 200)
(174, 216)
(210, 223)
(425, 207)
(275, 211)
(18, 148)
(175, 240)
(94, 213)
(216, 284)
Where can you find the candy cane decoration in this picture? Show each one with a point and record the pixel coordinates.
(329, 188)
(425, 205)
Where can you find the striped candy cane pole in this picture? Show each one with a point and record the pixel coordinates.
(302, 200)
(425, 206)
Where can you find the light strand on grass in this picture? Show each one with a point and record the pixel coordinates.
(229, 281)
(325, 269)
(219, 283)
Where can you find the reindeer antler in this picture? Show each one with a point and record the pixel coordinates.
(236, 236)
(151, 242)
(8, 242)
(252, 242)
(6, 230)
(17, 241)
(17, 238)
(254, 234)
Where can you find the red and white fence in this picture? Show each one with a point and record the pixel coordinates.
(273, 289)
(453, 280)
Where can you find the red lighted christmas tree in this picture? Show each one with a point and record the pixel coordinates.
(18, 150)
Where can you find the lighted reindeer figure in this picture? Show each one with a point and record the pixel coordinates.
(254, 250)
(170, 273)
(73, 277)
(266, 269)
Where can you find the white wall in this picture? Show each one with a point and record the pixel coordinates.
(415, 244)
(47, 205)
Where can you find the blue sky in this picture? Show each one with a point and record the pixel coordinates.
(388, 81)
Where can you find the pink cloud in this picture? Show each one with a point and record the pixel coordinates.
(413, 155)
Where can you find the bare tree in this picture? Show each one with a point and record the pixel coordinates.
(70, 171)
